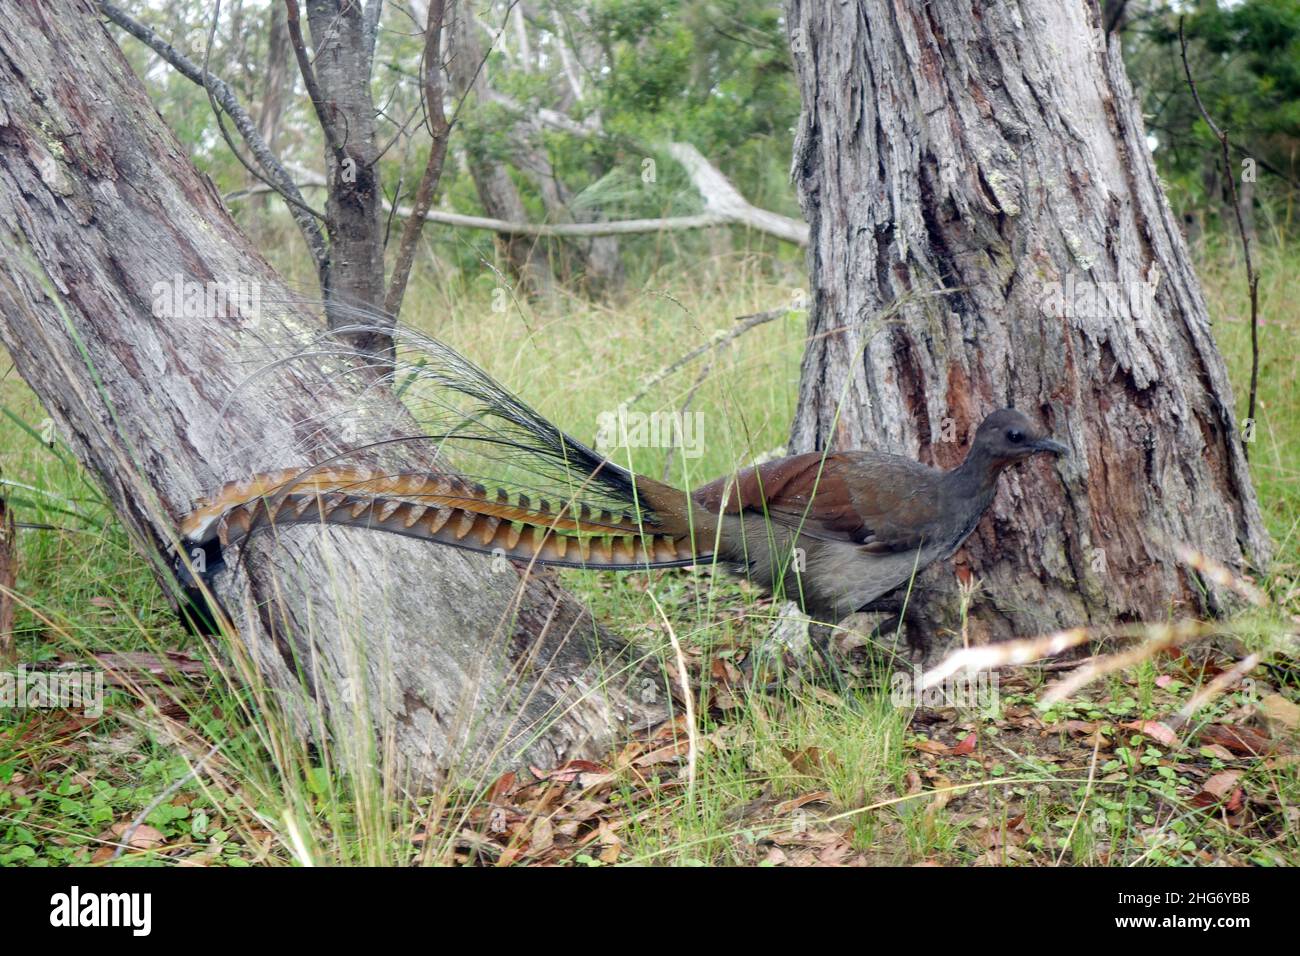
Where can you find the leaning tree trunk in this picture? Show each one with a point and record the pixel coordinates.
(988, 229)
(454, 661)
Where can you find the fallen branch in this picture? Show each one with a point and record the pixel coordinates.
(721, 198)
(560, 230)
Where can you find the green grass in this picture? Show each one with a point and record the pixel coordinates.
(795, 778)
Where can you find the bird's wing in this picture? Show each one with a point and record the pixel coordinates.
(881, 502)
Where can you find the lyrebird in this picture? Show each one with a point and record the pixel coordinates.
(835, 530)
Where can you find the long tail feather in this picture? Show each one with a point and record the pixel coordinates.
(603, 515)
(444, 509)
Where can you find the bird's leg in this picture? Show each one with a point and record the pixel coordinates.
(822, 638)
(785, 652)
(902, 617)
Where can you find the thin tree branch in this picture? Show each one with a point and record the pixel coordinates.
(309, 78)
(1252, 278)
(374, 9)
(439, 130)
(560, 230)
(747, 322)
(276, 178)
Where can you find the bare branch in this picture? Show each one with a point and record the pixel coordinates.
(440, 130)
(559, 230)
(276, 178)
(309, 77)
(747, 322)
(723, 199)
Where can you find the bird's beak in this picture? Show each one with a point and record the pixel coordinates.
(1050, 444)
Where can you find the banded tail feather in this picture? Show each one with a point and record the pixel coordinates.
(446, 509)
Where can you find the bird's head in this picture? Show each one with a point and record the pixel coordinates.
(1007, 436)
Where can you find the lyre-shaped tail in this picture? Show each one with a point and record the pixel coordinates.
(605, 515)
(445, 509)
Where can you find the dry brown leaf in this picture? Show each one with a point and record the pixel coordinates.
(810, 760)
(776, 856)
(1217, 750)
(570, 771)
(1221, 789)
(726, 672)
(543, 836)
(144, 837)
(503, 785)
(1082, 728)
(835, 854)
(1240, 740)
(789, 806)
(1004, 854)
(1279, 712)
(1161, 733)
(669, 753)
(936, 747)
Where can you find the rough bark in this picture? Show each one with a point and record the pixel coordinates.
(455, 664)
(954, 160)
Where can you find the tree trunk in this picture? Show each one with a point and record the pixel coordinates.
(496, 191)
(596, 263)
(451, 661)
(8, 583)
(277, 80)
(277, 84)
(342, 58)
(988, 229)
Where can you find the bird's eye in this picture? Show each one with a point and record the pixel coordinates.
(1015, 437)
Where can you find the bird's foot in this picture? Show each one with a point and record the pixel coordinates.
(796, 651)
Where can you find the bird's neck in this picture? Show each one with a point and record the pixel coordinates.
(976, 479)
